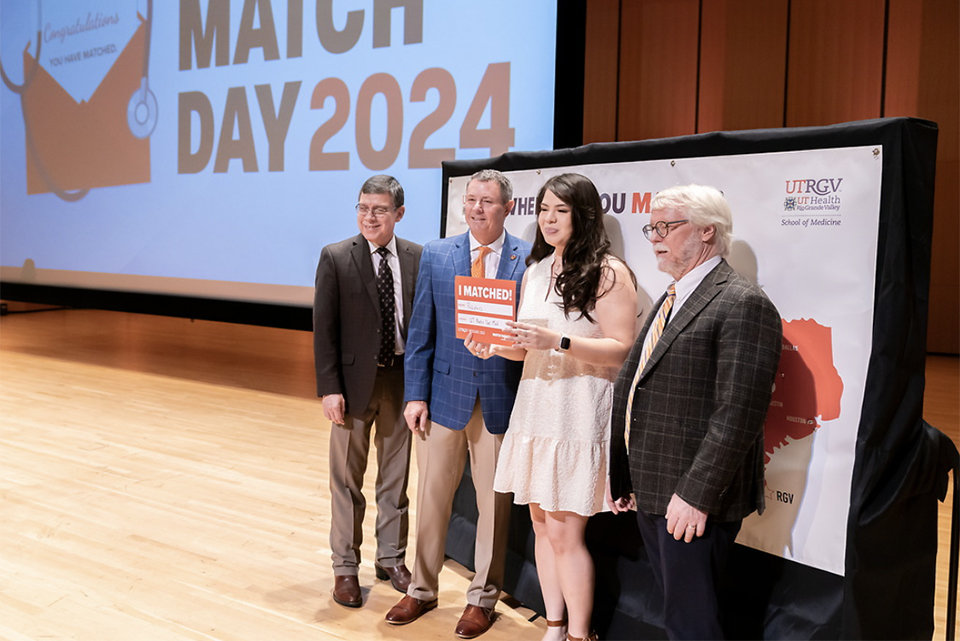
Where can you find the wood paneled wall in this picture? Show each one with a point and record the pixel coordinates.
(601, 66)
(923, 79)
(834, 61)
(742, 87)
(658, 58)
(659, 68)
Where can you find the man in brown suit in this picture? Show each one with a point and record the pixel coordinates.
(361, 311)
(689, 406)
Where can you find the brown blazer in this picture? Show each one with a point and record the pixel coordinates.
(346, 317)
(699, 408)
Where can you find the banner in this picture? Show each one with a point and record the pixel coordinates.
(805, 229)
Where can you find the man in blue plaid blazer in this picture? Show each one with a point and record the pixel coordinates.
(687, 422)
(459, 404)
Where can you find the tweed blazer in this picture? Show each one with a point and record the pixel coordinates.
(346, 317)
(696, 428)
(438, 369)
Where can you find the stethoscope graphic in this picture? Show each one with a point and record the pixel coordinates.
(141, 109)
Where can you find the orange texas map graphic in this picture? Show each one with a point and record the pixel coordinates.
(807, 385)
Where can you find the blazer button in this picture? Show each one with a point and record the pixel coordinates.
(474, 373)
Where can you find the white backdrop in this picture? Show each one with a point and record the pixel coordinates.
(805, 228)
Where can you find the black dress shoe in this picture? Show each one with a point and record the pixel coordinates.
(398, 575)
(346, 591)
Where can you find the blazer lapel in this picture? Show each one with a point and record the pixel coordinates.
(509, 258)
(407, 282)
(361, 260)
(706, 291)
(461, 257)
(633, 358)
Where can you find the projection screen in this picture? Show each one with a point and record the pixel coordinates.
(210, 148)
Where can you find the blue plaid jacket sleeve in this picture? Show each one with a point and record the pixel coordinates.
(421, 337)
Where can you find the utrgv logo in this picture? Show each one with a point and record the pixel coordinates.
(819, 186)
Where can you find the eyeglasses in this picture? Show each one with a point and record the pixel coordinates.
(473, 201)
(662, 228)
(379, 212)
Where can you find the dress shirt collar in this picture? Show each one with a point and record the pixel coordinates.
(691, 280)
(391, 246)
(496, 246)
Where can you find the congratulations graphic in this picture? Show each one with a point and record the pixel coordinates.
(87, 110)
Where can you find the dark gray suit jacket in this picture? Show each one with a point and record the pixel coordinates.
(346, 317)
(699, 408)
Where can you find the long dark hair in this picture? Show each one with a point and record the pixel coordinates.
(588, 249)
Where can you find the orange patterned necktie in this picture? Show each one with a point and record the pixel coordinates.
(476, 269)
(653, 336)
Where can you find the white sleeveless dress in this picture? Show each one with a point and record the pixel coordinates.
(555, 451)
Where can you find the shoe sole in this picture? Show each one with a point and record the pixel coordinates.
(473, 636)
(426, 608)
(348, 604)
(481, 633)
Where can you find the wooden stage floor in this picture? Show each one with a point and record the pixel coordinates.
(165, 479)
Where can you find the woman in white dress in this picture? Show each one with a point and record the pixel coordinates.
(575, 325)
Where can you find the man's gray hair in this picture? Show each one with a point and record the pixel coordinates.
(384, 184)
(703, 206)
(492, 175)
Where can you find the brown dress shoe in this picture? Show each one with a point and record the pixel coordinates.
(474, 621)
(398, 575)
(346, 591)
(409, 610)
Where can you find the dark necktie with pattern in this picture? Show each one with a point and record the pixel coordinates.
(388, 340)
